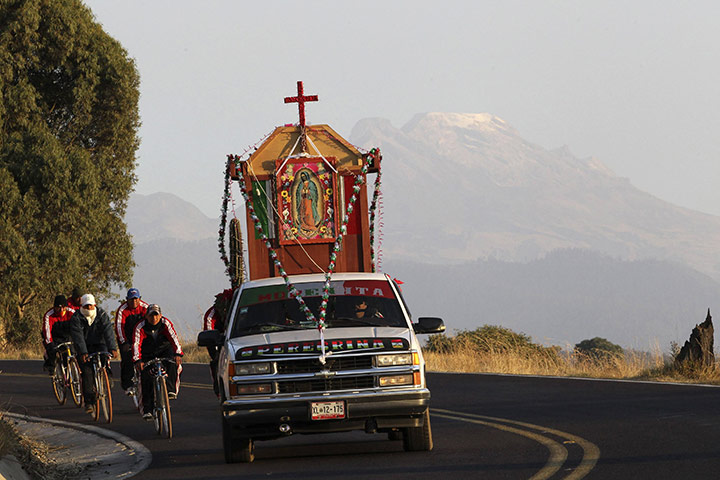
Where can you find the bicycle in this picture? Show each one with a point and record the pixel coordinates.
(103, 396)
(161, 413)
(66, 375)
(135, 391)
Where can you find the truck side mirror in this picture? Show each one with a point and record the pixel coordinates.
(429, 325)
(210, 338)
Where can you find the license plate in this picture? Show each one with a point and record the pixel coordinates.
(327, 410)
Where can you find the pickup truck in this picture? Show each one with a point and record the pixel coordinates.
(275, 379)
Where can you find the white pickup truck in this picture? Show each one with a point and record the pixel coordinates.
(276, 379)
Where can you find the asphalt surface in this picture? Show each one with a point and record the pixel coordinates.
(484, 426)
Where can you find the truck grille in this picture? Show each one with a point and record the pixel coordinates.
(326, 384)
(333, 364)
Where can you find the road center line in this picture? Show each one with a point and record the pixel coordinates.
(591, 453)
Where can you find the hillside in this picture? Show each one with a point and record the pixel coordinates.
(565, 297)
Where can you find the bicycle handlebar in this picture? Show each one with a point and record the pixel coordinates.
(99, 354)
(64, 344)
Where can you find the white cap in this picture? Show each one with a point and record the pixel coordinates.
(87, 299)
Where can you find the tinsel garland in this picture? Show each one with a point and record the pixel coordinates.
(292, 290)
(359, 180)
(227, 196)
(374, 154)
(223, 217)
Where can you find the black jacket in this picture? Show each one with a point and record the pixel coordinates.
(98, 337)
(150, 341)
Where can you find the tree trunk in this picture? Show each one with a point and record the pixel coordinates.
(699, 350)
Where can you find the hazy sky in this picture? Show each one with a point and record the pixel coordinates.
(632, 83)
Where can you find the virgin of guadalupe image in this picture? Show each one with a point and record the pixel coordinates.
(306, 204)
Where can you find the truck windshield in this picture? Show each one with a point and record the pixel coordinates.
(350, 304)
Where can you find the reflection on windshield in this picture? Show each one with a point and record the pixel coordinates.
(342, 311)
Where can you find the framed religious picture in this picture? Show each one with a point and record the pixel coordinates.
(306, 199)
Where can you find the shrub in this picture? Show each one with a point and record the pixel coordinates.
(597, 349)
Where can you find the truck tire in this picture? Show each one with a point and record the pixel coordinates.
(237, 449)
(418, 439)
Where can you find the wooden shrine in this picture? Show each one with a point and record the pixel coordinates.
(300, 180)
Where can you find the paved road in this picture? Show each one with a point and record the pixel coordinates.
(484, 426)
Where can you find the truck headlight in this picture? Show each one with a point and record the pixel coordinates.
(259, 368)
(393, 380)
(394, 359)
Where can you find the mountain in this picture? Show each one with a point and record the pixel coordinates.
(164, 215)
(465, 187)
(485, 228)
(176, 254)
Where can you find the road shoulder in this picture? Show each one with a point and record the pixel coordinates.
(99, 453)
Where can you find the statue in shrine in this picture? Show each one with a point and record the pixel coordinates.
(307, 200)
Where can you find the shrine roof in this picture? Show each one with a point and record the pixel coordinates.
(322, 141)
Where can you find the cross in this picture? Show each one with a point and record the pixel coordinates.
(301, 99)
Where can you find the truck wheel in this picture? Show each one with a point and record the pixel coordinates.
(417, 439)
(237, 449)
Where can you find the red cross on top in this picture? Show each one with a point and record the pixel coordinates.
(301, 99)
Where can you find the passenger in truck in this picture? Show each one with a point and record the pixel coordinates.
(363, 311)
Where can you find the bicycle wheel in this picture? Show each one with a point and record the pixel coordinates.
(163, 405)
(136, 392)
(157, 393)
(104, 397)
(58, 382)
(75, 381)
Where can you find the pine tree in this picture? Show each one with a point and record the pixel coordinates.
(68, 137)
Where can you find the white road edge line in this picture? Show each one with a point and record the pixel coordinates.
(556, 377)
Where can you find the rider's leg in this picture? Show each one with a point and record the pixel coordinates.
(173, 376)
(126, 368)
(88, 382)
(146, 391)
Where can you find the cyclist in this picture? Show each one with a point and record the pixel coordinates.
(127, 317)
(74, 300)
(55, 329)
(155, 336)
(92, 331)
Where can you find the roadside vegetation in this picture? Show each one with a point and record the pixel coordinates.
(69, 125)
(494, 349)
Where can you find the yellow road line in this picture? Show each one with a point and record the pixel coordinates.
(202, 386)
(558, 453)
(7, 374)
(591, 453)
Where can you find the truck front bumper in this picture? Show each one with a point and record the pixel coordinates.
(369, 410)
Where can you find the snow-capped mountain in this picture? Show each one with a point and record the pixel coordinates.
(461, 187)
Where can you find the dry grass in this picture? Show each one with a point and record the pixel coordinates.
(193, 353)
(566, 363)
(33, 352)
